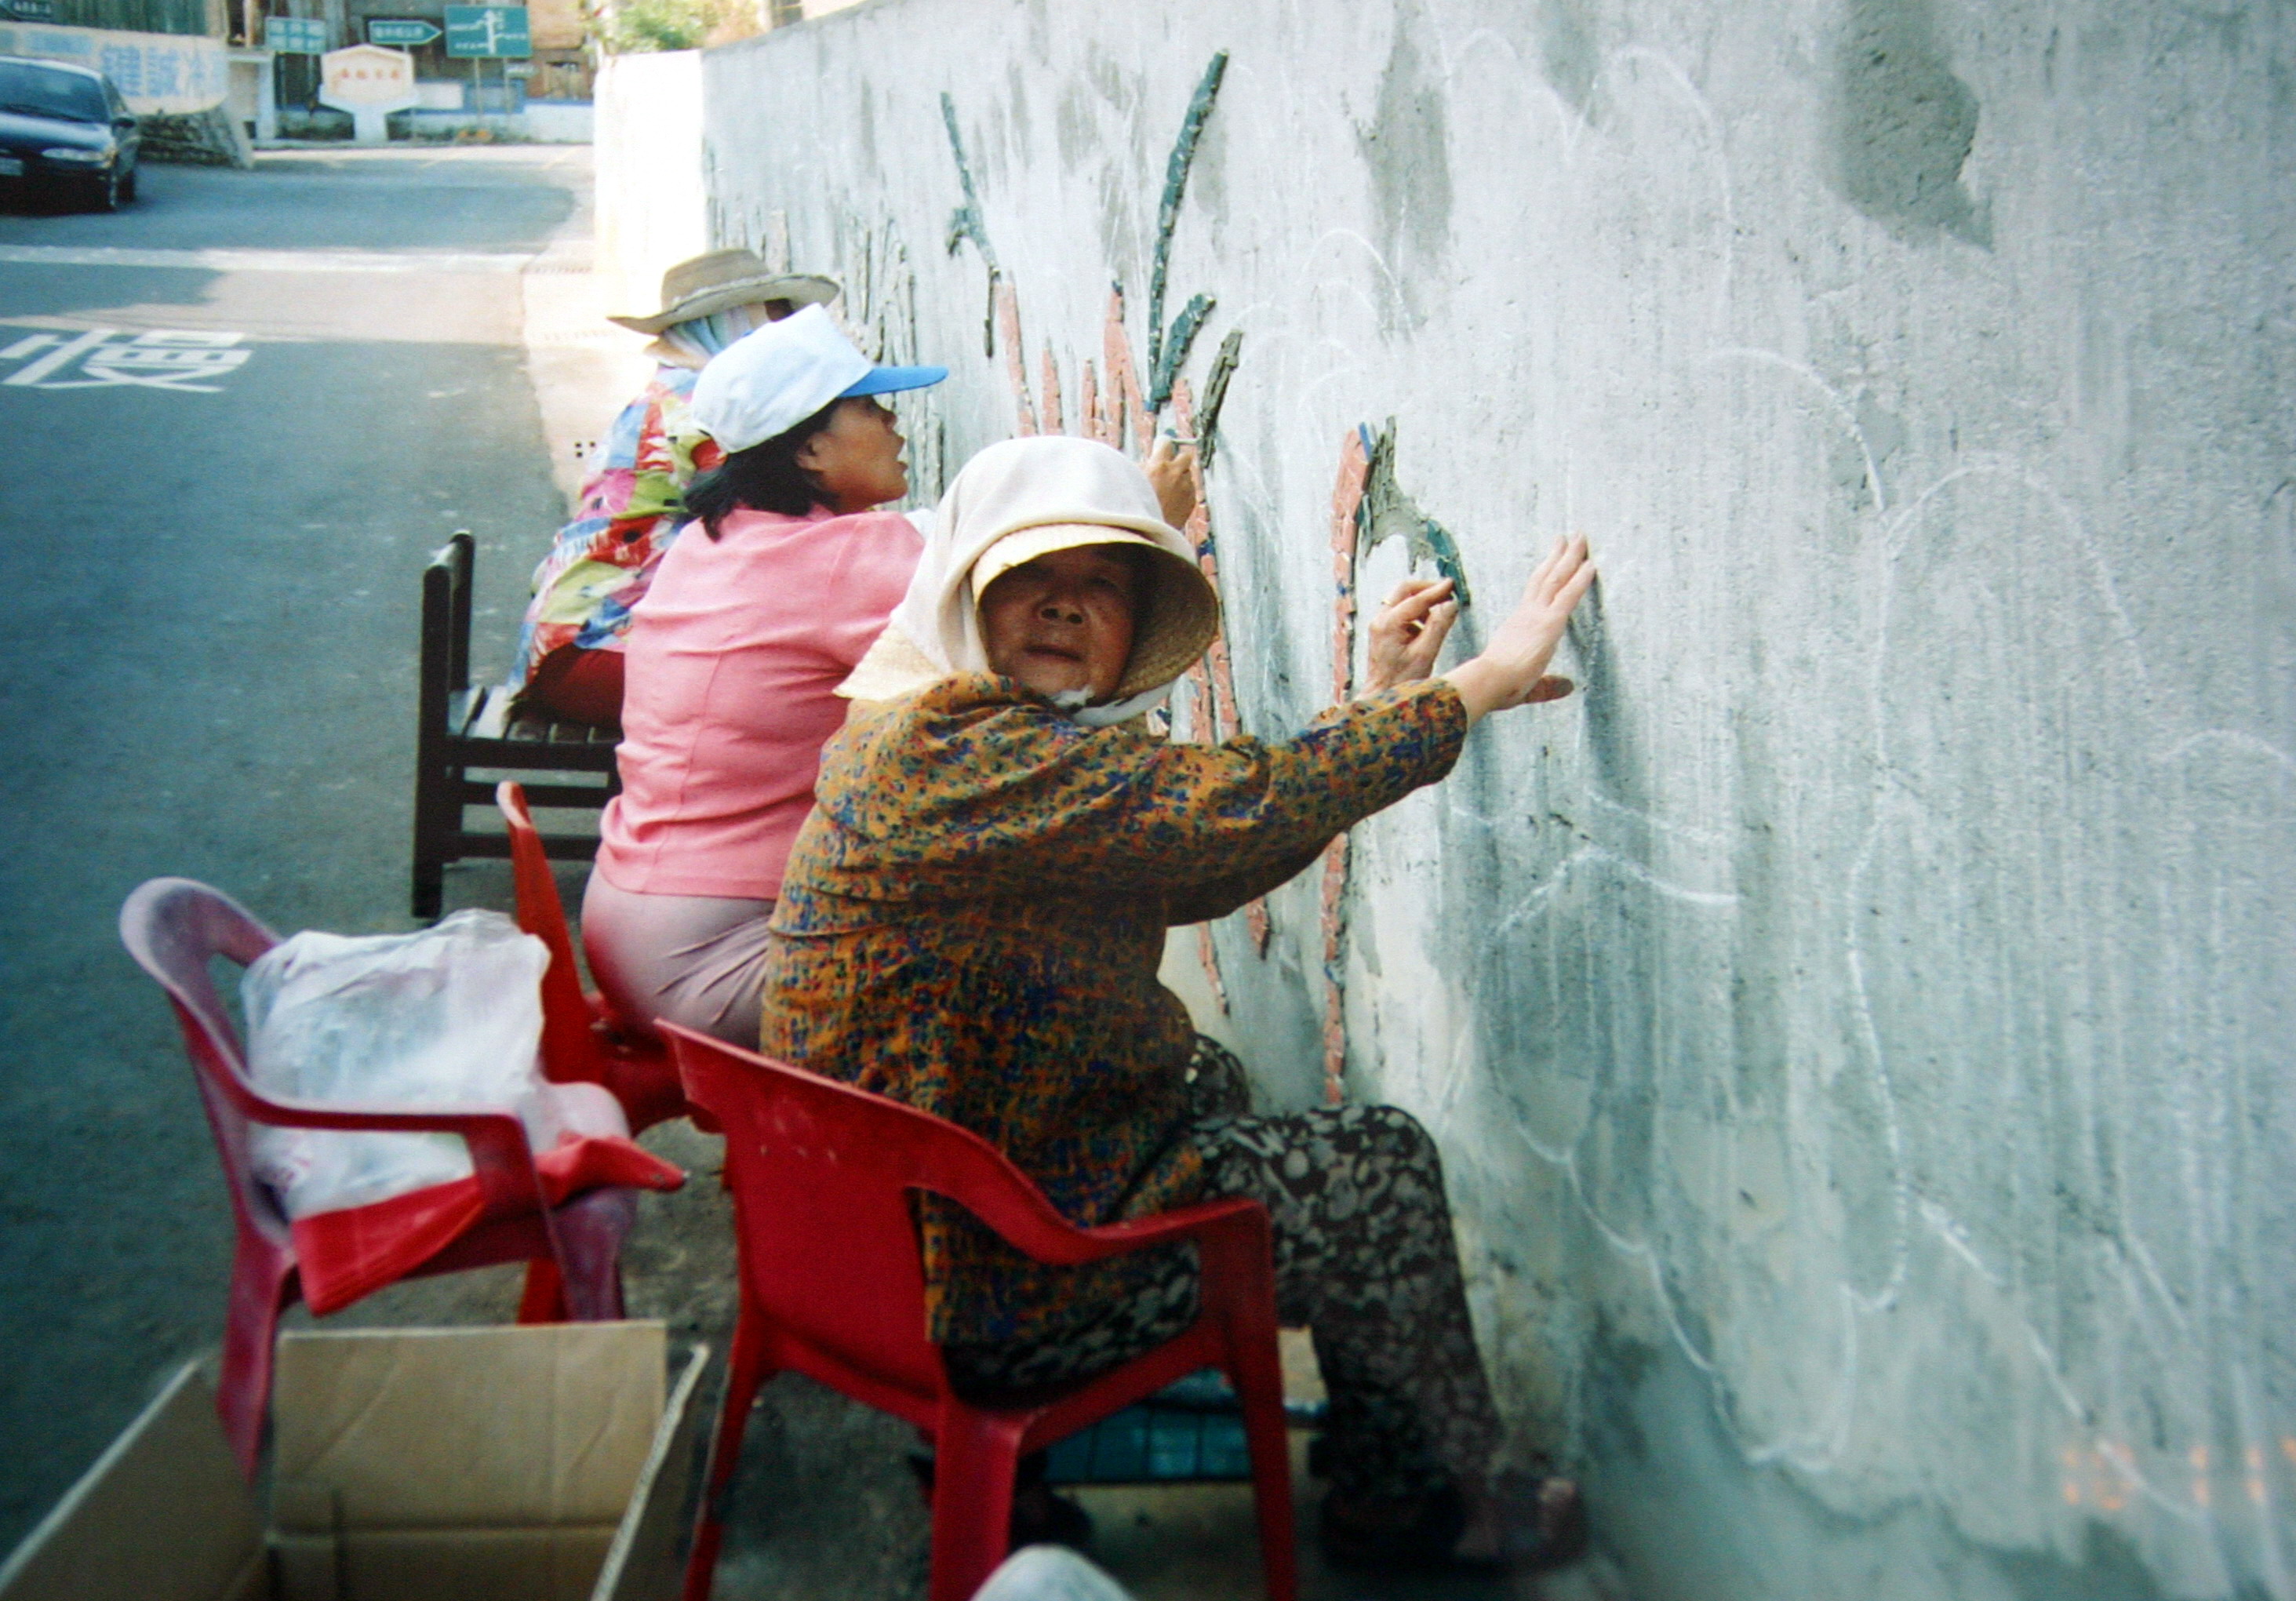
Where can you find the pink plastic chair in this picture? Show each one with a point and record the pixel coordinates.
(833, 1285)
(579, 1042)
(175, 928)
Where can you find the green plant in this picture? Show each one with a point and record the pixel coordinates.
(632, 27)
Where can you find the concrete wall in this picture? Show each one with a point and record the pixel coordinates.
(651, 214)
(1858, 1024)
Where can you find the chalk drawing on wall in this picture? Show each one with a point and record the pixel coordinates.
(1369, 507)
(1166, 352)
(1114, 407)
(1843, 1253)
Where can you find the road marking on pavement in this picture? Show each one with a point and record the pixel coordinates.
(268, 261)
(165, 358)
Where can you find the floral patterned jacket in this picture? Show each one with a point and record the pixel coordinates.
(601, 564)
(972, 921)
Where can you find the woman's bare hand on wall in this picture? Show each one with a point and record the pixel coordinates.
(1407, 633)
(1511, 670)
(1171, 470)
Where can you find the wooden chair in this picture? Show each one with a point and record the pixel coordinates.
(458, 729)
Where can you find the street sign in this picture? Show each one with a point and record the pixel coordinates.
(488, 30)
(369, 82)
(365, 76)
(402, 31)
(296, 35)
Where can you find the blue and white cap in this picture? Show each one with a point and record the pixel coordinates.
(768, 381)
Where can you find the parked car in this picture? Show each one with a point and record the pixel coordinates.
(66, 126)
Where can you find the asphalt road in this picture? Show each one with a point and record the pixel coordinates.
(216, 547)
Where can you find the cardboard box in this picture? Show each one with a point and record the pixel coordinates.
(532, 1464)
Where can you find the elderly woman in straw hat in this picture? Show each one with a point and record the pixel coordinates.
(971, 920)
(569, 661)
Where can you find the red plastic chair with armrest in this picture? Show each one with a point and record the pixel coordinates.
(175, 928)
(833, 1285)
(580, 1043)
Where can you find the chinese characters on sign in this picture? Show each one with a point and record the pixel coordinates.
(296, 35)
(166, 358)
(488, 31)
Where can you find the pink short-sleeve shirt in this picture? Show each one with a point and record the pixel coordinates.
(732, 658)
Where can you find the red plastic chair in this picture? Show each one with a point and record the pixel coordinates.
(175, 928)
(833, 1285)
(580, 1043)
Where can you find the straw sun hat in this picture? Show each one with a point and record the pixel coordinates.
(1014, 501)
(722, 280)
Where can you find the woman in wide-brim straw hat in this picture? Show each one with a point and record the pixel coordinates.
(570, 657)
(971, 921)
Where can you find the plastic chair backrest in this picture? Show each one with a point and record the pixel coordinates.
(570, 1048)
(174, 928)
(821, 1174)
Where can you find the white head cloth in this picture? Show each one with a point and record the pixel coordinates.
(935, 632)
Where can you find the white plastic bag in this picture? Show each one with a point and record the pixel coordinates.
(450, 1016)
(1049, 1573)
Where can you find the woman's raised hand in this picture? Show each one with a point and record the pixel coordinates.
(1511, 670)
(1407, 633)
(1171, 470)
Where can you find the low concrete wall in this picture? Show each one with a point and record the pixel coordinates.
(651, 213)
(559, 122)
(541, 122)
(1858, 1021)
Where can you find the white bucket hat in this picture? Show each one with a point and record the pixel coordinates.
(768, 381)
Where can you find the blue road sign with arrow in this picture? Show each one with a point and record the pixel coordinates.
(400, 30)
(488, 30)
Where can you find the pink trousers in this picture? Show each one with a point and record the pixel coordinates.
(694, 960)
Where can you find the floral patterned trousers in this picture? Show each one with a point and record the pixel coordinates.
(1365, 1258)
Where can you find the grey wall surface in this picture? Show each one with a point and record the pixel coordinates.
(1858, 1023)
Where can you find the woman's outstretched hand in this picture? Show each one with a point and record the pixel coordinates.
(1511, 670)
(1407, 634)
(1171, 470)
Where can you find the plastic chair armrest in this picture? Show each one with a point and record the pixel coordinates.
(1203, 1221)
(500, 1155)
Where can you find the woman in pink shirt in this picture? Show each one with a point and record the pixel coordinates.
(732, 658)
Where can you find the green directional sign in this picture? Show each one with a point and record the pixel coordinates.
(400, 30)
(296, 35)
(488, 30)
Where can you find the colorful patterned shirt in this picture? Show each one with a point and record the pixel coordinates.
(971, 921)
(602, 563)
